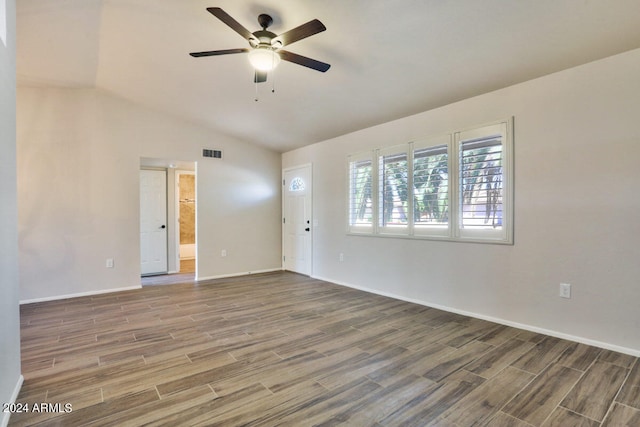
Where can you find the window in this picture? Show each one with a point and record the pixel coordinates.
(484, 176)
(393, 182)
(297, 184)
(455, 187)
(431, 187)
(361, 193)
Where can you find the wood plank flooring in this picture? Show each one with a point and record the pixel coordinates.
(281, 349)
(186, 274)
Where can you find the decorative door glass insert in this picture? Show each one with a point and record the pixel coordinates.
(297, 184)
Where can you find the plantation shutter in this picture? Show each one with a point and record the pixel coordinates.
(393, 177)
(431, 186)
(456, 187)
(360, 193)
(481, 183)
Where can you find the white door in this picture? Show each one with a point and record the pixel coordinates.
(153, 222)
(297, 221)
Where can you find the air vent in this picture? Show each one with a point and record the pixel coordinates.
(216, 154)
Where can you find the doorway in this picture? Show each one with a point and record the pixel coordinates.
(186, 220)
(297, 227)
(174, 272)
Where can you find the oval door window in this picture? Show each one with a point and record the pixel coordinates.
(297, 184)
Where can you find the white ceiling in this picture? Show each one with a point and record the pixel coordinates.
(389, 59)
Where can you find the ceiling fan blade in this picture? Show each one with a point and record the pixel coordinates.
(303, 60)
(217, 52)
(301, 32)
(232, 23)
(260, 77)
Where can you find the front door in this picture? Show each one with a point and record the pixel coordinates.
(153, 222)
(297, 221)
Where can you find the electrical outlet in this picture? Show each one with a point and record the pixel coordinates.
(341, 257)
(223, 253)
(109, 263)
(565, 290)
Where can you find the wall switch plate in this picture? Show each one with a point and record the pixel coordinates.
(223, 253)
(341, 257)
(109, 263)
(565, 290)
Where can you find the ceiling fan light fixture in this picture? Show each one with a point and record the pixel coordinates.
(264, 59)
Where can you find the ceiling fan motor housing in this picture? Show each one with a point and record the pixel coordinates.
(263, 39)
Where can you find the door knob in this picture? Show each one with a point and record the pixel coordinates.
(163, 226)
(306, 229)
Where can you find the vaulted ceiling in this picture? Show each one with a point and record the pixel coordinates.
(389, 59)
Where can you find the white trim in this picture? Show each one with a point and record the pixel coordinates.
(361, 229)
(80, 294)
(130, 288)
(431, 231)
(246, 273)
(4, 420)
(3, 22)
(504, 234)
(556, 334)
(394, 230)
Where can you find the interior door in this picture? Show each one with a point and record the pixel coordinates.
(153, 222)
(297, 221)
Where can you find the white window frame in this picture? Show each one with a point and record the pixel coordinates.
(504, 234)
(392, 229)
(352, 227)
(454, 231)
(427, 230)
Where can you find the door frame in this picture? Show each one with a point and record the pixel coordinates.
(172, 166)
(311, 219)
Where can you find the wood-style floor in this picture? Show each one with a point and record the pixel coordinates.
(186, 274)
(281, 349)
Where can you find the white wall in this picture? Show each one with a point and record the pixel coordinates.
(577, 145)
(10, 378)
(79, 155)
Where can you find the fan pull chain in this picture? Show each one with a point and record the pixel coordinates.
(273, 81)
(273, 75)
(256, 83)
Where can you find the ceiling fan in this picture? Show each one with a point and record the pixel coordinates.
(265, 50)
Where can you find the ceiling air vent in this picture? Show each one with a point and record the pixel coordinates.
(216, 154)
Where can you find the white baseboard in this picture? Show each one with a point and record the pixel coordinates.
(4, 419)
(107, 291)
(80, 294)
(223, 276)
(582, 340)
